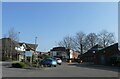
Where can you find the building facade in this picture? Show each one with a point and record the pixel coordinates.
(99, 55)
(64, 53)
(14, 50)
(104, 56)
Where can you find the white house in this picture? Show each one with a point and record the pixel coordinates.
(24, 50)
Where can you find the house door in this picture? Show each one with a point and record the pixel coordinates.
(102, 59)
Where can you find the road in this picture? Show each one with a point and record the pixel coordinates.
(64, 70)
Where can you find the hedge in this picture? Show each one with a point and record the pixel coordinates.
(19, 65)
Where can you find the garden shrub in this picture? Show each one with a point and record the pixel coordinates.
(19, 65)
(44, 56)
(34, 65)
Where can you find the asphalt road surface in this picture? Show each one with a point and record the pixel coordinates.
(64, 70)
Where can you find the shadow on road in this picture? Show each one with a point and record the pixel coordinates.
(93, 66)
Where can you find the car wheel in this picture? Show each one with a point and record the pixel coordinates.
(59, 63)
(54, 65)
(49, 65)
(45, 65)
(42, 65)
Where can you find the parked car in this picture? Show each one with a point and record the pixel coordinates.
(58, 60)
(48, 62)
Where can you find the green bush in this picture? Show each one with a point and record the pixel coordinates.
(19, 65)
(5, 58)
(44, 56)
(34, 65)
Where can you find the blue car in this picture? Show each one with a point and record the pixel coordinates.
(49, 62)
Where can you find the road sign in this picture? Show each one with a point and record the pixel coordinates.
(28, 53)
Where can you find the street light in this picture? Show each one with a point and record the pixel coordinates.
(18, 45)
(35, 42)
(35, 50)
(18, 37)
(94, 57)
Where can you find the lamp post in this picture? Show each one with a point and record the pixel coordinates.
(35, 44)
(35, 49)
(18, 45)
(35, 41)
(94, 58)
(18, 37)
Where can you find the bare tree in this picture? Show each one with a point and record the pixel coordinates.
(66, 42)
(106, 38)
(13, 34)
(80, 42)
(11, 42)
(91, 40)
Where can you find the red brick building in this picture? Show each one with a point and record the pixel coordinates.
(89, 56)
(99, 55)
(104, 56)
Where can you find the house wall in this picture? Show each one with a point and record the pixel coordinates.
(75, 55)
(109, 52)
(71, 54)
(88, 57)
(60, 54)
(103, 56)
(64, 53)
(20, 48)
(53, 53)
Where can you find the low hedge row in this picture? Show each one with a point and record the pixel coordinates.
(19, 65)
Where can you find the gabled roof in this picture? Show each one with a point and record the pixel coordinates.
(96, 47)
(29, 46)
(58, 49)
(109, 47)
(115, 46)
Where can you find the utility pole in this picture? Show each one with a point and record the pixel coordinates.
(34, 50)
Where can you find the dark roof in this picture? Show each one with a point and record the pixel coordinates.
(109, 47)
(96, 47)
(59, 49)
(29, 46)
(8, 41)
(8, 44)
